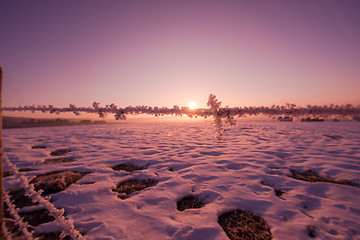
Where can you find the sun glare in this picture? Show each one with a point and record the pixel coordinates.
(192, 105)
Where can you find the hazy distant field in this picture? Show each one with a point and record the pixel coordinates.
(242, 172)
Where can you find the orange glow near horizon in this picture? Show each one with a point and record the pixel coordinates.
(192, 105)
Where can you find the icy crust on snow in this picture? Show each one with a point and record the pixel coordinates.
(248, 171)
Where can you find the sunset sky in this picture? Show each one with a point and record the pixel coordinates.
(165, 53)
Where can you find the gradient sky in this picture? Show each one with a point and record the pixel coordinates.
(169, 53)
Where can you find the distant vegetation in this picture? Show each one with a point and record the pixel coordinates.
(19, 122)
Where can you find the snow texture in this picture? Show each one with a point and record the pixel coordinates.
(246, 170)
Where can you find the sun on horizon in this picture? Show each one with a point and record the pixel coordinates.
(192, 105)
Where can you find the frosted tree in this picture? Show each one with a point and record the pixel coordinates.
(214, 106)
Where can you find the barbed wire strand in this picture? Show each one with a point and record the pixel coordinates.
(23, 226)
(67, 226)
(215, 110)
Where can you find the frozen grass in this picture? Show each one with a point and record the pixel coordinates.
(19, 199)
(311, 231)
(127, 167)
(13, 229)
(6, 173)
(189, 202)
(51, 236)
(35, 218)
(278, 192)
(311, 176)
(58, 160)
(60, 152)
(56, 181)
(133, 185)
(38, 147)
(25, 170)
(242, 225)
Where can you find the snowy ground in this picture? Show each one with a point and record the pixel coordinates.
(239, 173)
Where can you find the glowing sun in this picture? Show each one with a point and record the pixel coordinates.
(192, 105)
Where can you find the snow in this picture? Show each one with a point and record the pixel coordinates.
(185, 159)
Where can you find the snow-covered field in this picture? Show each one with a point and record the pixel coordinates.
(240, 172)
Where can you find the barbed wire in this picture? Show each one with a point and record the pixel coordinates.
(23, 226)
(223, 112)
(67, 226)
(220, 114)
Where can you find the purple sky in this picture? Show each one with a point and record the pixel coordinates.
(169, 53)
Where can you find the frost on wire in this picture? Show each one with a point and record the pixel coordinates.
(66, 225)
(215, 110)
